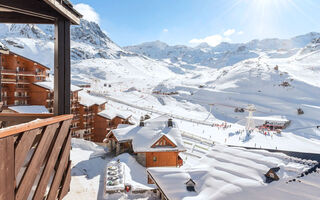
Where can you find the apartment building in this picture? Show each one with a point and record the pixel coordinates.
(89, 107)
(42, 93)
(17, 74)
(108, 120)
(26, 82)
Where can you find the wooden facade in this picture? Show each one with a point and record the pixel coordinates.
(88, 119)
(41, 96)
(104, 125)
(17, 74)
(44, 96)
(162, 159)
(33, 153)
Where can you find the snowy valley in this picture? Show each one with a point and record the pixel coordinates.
(200, 88)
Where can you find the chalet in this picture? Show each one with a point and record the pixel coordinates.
(89, 107)
(17, 74)
(155, 142)
(271, 122)
(109, 119)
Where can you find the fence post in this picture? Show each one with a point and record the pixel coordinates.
(7, 178)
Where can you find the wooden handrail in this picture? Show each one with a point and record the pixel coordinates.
(25, 115)
(13, 130)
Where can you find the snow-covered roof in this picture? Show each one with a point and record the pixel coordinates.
(234, 173)
(50, 86)
(111, 113)
(88, 100)
(29, 109)
(144, 137)
(271, 118)
(3, 48)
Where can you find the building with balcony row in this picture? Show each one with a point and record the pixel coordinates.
(25, 84)
(17, 73)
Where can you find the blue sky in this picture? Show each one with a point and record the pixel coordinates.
(191, 22)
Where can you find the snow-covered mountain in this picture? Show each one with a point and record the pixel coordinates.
(224, 54)
(229, 74)
(88, 44)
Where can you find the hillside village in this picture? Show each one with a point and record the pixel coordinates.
(149, 124)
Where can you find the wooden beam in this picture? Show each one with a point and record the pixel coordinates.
(62, 166)
(23, 146)
(7, 176)
(12, 119)
(64, 11)
(14, 130)
(41, 9)
(34, 8)
(14, 17)
(62, 67)
(54, 153)
(36, 161)
(66, 182)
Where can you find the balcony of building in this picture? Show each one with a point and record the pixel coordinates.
(36, 153)
(74, 125)
(40, 150)
(26, 73)
(87, 114)
(7, 80)
(5, 71)
(87, 125)
(23, 81)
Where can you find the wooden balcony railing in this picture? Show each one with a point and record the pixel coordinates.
(35, 160)
(11, 119)
(8, 71)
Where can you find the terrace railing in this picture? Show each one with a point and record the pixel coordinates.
(35, 161)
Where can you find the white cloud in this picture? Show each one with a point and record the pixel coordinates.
(229, 32)
(212, 40)
(88, 12)
(240, 32)
(165, 30)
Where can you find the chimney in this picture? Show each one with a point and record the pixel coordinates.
(141, 121)
(170, 123)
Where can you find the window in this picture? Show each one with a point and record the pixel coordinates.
(16, 102)
(154, 159)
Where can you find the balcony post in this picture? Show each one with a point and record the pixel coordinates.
(62, 67)
(0, 77)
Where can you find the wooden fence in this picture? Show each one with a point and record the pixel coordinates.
(35, 159)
